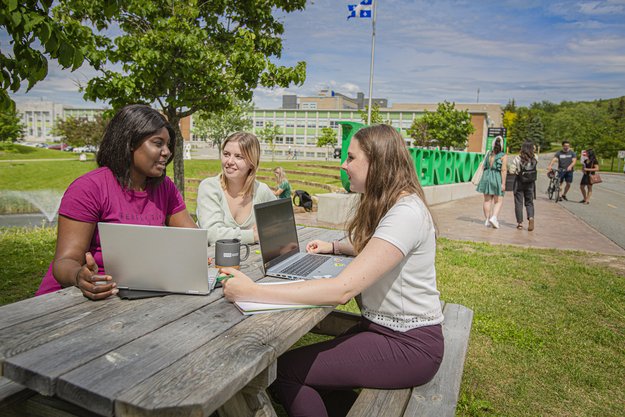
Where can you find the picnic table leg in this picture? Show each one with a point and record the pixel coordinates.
(252, 400)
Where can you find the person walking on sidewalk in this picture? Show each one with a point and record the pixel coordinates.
(591, 166)
(493, 182)
(566, 160)
(523, 166)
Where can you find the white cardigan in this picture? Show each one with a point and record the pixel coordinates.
(213, 213)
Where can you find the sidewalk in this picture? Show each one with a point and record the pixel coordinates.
(555, 228)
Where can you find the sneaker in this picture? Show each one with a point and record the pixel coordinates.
(487, 223)
(493, 221)
(559, 199)
(564, 198)
(530, 227)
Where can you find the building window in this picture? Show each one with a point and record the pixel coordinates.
(310, 154)
(279, 140)
(259, 123)
(301, 124)
(290, 124)
(334, 124)
(288, 140)
(312, 125)
(309, 106)
(300, 140)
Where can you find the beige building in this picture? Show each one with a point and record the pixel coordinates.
(301, 119)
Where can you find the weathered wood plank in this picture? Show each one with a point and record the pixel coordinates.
(440, 396)
(40, 330)
(97, 383)
(26, 310)
(11, 392)
(205, 379)
(253, 399)
(39, 368)
(42, 406)
(336, 323)
(380, 403)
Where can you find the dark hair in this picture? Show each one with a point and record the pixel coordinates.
(565, 141)
(527, 151)
(126, 132)
(592, 158)
(497, 146)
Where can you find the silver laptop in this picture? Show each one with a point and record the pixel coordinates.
(279, 245)
(155, 258)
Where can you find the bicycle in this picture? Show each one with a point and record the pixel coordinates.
(553, 189)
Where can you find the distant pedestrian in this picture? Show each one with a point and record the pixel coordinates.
(523, 167)
(566, 160)
(493, 182)
(591, 166)
(284, 188)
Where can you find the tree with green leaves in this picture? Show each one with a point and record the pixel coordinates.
(419, 132)
(582, 124)
(450, 127)
(268, 134)
(34, 22)
(328, 139)
(376, 117)
(11, 127)
(187, 56)
(218, 125)
(79, 131)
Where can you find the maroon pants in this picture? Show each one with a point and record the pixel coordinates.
(318, 380)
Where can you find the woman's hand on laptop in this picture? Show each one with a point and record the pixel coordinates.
(319, 246)
(238, 287)
(93, 285)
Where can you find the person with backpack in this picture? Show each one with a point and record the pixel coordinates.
(523, 166)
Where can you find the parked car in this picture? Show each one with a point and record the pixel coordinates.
(58, 146)
(42, 145)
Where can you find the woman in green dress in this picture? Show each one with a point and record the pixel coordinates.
(284, 188)
(493, 182)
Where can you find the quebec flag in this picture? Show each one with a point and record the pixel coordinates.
(362, 10)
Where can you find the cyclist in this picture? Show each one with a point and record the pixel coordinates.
(566, 159)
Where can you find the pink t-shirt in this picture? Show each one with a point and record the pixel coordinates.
(98, 197)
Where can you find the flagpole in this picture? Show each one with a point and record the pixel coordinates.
(375, 3)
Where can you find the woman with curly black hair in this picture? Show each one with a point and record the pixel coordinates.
(130, 186)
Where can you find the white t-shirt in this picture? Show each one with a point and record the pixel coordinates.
(406, 297)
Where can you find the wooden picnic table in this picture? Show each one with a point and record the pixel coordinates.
(172, 355)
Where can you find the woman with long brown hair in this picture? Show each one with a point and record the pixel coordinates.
(523, 166)
(399, 341)
(590, 167)
(225, 202)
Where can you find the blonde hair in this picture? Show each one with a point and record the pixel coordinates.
(279, 172)
(250, 149)
(390, 176)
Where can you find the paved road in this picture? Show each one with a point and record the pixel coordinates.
(606, 211)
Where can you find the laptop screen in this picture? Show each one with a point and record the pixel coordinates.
(277, 234)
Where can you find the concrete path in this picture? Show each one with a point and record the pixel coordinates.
(556, 227)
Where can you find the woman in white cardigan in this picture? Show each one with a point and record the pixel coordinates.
(225, 203)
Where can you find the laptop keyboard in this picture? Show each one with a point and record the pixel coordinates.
(304, 265)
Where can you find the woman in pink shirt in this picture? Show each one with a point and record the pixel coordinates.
(130, 186)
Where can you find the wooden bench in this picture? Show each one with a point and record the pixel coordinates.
(436, 398)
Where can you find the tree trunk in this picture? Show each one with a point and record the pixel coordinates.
(174, 120)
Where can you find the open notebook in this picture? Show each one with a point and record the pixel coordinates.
(249, 307)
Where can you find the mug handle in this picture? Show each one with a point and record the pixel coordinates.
(247, 251)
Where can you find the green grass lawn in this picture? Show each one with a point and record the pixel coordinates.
(548, 335)
(9, 151)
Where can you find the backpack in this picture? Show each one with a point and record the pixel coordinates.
(528, 171)
(303, 200)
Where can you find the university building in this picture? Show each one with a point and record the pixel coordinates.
(301, 119)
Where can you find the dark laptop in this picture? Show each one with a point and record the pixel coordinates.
(279, 245)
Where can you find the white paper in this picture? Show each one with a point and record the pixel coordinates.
(249, 307)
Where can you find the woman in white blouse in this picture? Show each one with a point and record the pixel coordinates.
(225, 202)
(399, 341)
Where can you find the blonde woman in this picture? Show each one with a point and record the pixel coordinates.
(225, 202)
(399, 341)
(283, 190)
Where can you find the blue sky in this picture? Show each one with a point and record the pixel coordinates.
(430, 51)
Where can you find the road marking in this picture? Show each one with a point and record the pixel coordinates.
(610, 205)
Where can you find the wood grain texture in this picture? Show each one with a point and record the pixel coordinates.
(440, 396)
(197, 386)
(380, 403)
(26, 310)
(39, 368)
(11, 392)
